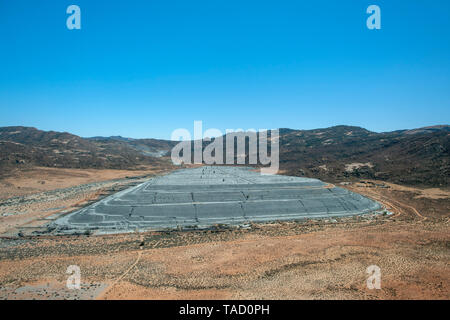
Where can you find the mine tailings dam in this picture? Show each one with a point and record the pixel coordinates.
(207, 196)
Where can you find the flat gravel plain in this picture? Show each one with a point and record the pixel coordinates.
(207, 196)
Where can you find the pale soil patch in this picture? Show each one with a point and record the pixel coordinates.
(429, 193)
(40, 179)
(434, 193)
(356, 165)
(18, 215)
(51, 290)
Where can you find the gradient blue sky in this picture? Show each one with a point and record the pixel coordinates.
(144, 68)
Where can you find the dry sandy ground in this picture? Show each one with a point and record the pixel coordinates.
(39, 179)
(297, 260)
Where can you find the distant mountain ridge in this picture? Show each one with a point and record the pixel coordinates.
(26, 146)
(148, 147)
(416, 156)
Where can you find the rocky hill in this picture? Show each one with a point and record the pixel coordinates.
(25, 146)
(416, 157)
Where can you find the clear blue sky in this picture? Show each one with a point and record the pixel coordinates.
(144, 68)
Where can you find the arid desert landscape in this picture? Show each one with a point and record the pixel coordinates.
(225, 159)
(324, 258)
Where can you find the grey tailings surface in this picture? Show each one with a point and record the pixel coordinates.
(206, 196)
